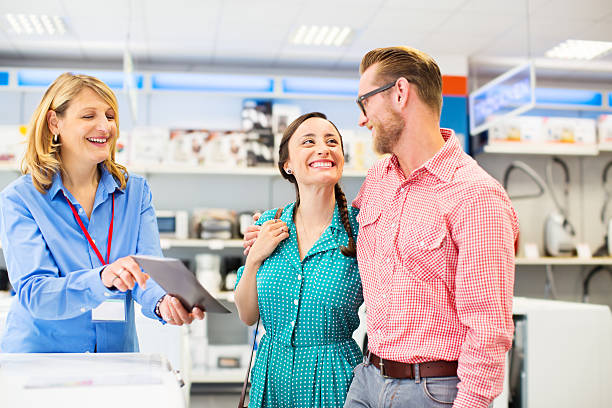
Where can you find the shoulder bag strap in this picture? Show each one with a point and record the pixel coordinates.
(246, 378)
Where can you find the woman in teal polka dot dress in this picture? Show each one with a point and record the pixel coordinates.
(301, 278)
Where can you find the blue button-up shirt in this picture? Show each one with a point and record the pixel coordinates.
(56, 273)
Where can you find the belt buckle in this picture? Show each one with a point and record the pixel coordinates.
(381, 366)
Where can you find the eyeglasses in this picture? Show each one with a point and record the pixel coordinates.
(373, 92)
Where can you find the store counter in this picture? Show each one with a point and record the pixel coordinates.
(91, 380)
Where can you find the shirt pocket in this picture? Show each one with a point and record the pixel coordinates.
(367, 219)
(422, 251)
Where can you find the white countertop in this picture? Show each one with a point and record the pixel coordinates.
(91, 380)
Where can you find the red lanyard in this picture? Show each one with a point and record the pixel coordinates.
(91, 242)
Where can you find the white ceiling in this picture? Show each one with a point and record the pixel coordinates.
(192, 35)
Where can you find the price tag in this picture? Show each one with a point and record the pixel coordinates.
(165, 243)
(583, 250)
(531, 251)
(216, 244)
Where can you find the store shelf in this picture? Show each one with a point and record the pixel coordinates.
(178, 169)
(224, 295)
(236, 171)
(9, 167)
(605, 147)
(542, 148)
(219, 376)
(214, 244)
(564, 261)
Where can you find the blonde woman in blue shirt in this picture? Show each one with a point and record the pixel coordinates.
(301, 278)
(68, 227)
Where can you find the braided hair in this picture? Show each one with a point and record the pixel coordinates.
(283, 156)
(351, 249)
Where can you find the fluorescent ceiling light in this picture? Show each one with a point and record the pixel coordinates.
(579, 49)
(321, 35)
(39, 24)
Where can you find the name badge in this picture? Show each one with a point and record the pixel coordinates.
(111, 310)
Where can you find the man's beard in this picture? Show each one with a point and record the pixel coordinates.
(388, 132)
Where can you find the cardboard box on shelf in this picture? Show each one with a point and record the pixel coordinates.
(12, 143)
(528, 129)
(570, 130)
(207, 148)
(187, 147)
(358, 152)
(148, 145)
(604, 129)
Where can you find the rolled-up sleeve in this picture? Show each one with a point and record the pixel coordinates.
(485, 237)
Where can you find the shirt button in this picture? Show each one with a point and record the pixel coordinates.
(81, 210)
(292, 323)
(83, 310)
(402, 190)
(295, 302)
(299, 277)
(106, 294)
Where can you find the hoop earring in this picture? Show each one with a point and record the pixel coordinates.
(55, 138)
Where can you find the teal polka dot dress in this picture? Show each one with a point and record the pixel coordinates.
(309, 311)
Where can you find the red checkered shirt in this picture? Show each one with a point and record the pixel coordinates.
(436, 257)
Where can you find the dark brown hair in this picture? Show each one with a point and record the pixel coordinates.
(403, 62)
(283, 156)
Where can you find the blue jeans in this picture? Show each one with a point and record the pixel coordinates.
(370, 389)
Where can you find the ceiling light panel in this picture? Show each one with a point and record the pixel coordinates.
(35, 24)
(321, 35)
(579, 49)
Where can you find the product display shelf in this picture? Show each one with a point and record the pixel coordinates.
(219, 376)
(236, 171)
(222, 171)
(605, 147)
(542, 148)
(224, 295)
(277, 95)
(549, 260)
(7, 167)
(214, 244)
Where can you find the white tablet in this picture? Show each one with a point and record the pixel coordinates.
(172, 275)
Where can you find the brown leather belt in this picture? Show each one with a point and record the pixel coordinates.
(395, 369)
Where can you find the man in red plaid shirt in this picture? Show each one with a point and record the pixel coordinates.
(435, 248)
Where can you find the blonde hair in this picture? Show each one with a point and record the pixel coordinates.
(417, 67)
(42, 158)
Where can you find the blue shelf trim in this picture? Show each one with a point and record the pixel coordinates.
(212, 82)
(574, 97)
(4, 78)
(321, 86)
(44, 77)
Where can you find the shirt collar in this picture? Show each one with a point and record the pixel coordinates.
(107, 182)
(443, 164)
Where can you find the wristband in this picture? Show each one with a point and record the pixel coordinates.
(157, 305)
